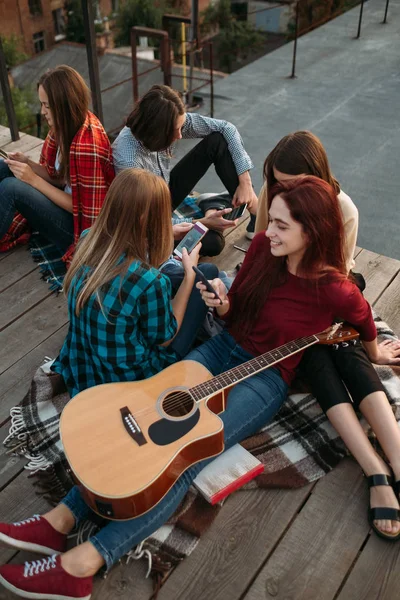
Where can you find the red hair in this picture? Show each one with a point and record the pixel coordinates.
(313, 203)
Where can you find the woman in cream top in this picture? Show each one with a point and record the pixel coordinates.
(329, 370)
(299, 154)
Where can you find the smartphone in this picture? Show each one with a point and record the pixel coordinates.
(208, 285)
(3, 153)
(191, 239)
(236, 213)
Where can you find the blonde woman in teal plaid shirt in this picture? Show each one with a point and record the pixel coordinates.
(124, 323)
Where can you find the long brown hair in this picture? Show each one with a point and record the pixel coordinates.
(313, 203)
(299, 153)
(134, 223)
(153, 120)
(69, 98)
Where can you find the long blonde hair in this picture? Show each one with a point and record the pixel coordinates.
(134, 222)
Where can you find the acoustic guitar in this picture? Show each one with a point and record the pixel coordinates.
(127, 443)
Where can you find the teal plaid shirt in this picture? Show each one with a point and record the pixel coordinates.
(121, 341)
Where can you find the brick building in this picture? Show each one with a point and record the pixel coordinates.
(39, 23)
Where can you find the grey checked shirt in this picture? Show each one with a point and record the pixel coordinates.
(129, 152)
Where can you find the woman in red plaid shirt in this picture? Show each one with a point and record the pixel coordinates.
(63, 194)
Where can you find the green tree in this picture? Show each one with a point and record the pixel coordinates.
(75, 29)
(217, 14)
(142, 13)
(236, 39)
(12, 53)
(25, 106)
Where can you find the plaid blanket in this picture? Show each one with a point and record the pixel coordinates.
(298, 447)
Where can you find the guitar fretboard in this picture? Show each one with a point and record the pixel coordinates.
(251, 367)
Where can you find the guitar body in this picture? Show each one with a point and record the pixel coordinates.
(128, 443)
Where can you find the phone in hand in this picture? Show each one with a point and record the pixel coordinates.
(208, 285)
(3, 153)
(236, 213)
(191, 239)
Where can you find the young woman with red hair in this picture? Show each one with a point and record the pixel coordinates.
(327, 369)
(292, 284)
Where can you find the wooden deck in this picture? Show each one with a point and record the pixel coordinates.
(311, 543)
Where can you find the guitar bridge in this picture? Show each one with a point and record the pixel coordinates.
(132, 427)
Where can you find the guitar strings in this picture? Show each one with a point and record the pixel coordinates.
(178, 398)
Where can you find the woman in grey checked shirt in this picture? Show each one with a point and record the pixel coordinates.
(157, 121)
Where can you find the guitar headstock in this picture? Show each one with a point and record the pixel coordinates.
(339, 332)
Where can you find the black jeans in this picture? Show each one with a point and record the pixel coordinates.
(212, 150)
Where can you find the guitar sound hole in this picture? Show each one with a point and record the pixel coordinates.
(178, 404)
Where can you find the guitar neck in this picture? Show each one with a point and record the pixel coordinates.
(251, 367)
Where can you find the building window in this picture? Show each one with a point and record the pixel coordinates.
(35, 7)
(39, 41)
(59, 23)
(115, 6)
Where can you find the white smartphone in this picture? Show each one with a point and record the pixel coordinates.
(191, 239)
(3, 153)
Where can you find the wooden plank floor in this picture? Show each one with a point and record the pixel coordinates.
(311, 543)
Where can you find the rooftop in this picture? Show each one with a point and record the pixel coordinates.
(311, 543)
(347, 92)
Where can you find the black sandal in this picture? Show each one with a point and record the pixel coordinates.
(383, 513)
(396, 488)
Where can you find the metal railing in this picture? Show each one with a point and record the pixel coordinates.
(298, 33)
(165, 56)
(5, 88)
(361, 17)
(192, 48)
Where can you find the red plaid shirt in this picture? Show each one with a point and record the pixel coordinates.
(91, 173)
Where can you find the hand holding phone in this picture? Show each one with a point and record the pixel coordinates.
(236, 213)
(191, 239)
(205, 281)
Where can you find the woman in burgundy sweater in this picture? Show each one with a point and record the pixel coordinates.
(293, 283)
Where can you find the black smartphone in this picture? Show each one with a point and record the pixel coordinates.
(208, 285)
(3, 153)
(236, 213)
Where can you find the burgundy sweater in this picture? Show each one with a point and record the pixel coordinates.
(294, 310)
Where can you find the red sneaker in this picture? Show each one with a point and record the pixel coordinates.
(45, 579)
(34, 534)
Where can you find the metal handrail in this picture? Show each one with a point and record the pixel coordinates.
(5, 87)
(165, 58)
(361, 16)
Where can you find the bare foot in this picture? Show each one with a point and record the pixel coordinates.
(82, 561)
(61, 518)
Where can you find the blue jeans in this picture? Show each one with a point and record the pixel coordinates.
(251, 404)
(50, 220)
(196, 309)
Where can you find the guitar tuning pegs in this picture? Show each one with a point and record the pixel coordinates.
(335, 346)
(354, 342)
(344, 344)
